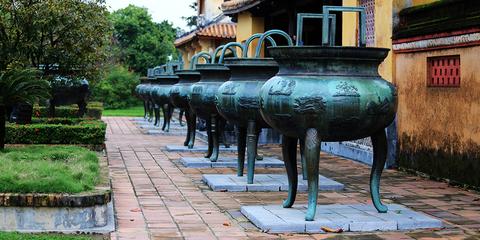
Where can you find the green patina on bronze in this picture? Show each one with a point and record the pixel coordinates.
(202, 102)
(328, 93)
(238, 101)
(179, 97)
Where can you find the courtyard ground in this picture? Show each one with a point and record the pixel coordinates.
(156, 197)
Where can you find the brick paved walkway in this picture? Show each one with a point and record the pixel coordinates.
(157, 198)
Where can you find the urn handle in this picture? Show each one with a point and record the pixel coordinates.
(230, 46)
(362, 23)
(220, 48)
(206, 56)
(253, 37)
(301, 16)
(269, 33)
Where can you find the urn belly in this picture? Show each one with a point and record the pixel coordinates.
(202, 93)
(238, 99)
(335, 90)
(179, 92)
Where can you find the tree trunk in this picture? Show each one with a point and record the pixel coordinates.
(2, 127)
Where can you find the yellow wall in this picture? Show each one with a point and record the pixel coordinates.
(248, 25)
(194, 47)
(383, 32)
(432, 114)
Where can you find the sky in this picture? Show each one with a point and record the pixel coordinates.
(170, 10)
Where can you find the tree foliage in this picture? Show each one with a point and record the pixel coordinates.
(66, 37)
(141, 43)
(192, 21)
(116, 89)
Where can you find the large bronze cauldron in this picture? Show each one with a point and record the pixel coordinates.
(179, 97)
(202, 102)
(160, 92)
(325, 93)
(238, 101)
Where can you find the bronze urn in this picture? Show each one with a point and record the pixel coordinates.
(328, 93)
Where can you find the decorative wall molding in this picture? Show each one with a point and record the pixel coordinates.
(462, 40)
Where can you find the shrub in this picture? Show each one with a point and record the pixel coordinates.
(57, 131)
(94, 110)
(116, 90)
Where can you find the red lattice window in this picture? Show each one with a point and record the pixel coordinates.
(370, 18)
(443, 71)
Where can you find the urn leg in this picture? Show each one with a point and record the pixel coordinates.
(289, 152)
(169, 116)
(164, 112)
(150, 111)
(208, 123)
(302, 157)
(145, 110)
(379, 142)
(242, 144)
(258, 156)
(187, 138)
(180, 116)
(222, 124)
(312, 155)
(156, 111)
(215, 137)
(193, 129)
(251, 149)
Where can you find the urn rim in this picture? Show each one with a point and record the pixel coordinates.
(327, 52)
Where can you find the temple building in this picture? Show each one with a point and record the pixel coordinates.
(214, 29)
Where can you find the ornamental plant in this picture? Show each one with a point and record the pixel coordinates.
(19, 86)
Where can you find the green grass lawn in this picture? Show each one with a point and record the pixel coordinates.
(26, 236)
(48, 169)
(127, 112)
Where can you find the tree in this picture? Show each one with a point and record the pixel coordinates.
(65, 37)
(141, 43)
(192, 21)
(19, 86)
(117, 88)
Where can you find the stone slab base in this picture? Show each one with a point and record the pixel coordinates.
(353, 218)
(97, 219)
(200, 162)
(263, 183)
(181, 148)
(172, 132)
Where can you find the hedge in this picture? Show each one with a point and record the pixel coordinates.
(52, 131)
(94, 110)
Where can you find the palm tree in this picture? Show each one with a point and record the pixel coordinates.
(19, 86)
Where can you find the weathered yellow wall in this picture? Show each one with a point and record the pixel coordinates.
(248, 25)
(349, 25)
(438, 128)
(432, 114)
(383, 32)
(383, 36)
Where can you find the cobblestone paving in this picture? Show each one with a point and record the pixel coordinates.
(157, 198)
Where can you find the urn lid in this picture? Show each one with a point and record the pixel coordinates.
(211, 66)
(165, 79)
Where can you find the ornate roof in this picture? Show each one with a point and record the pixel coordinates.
(236, 6)
(214, 30)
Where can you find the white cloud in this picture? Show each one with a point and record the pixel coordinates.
(170, 10)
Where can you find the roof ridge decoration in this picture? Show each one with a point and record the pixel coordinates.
(236, 6)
